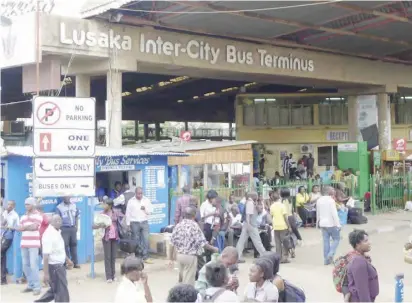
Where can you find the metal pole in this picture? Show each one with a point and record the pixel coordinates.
(399, 288)
(38, 48)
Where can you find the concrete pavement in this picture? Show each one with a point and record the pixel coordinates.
(388, 234)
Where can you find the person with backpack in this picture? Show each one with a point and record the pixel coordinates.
(260, 288)
(217, 277)
(363, 282)
(287, 291)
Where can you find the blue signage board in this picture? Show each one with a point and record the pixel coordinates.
(123, 163)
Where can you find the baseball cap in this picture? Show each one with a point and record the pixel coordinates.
(30, 201)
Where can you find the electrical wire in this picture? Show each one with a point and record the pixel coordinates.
(229, 11)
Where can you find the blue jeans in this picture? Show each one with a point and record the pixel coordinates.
(140, 233)
(30, 260)
(329, 249)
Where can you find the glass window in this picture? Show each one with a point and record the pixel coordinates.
(327, 155)
(333, 114)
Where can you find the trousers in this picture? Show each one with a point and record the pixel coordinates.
(187, 268)
(69, 235)
(30, 260)
(110, 252)
(5, 245)
(58, 291)
(280, 249)
(251, 232)
(140, 233)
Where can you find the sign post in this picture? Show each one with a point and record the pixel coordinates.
(64, 145)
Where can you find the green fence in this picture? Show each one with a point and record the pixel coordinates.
(389, 193)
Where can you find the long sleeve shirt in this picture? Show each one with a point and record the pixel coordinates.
(363, 280)
(326, 212)
(134, 213)
(181, 204)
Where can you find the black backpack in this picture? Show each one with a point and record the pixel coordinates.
(212, 298)
(293, 293)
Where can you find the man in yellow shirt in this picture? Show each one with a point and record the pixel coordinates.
(337, 174)
(281, 226)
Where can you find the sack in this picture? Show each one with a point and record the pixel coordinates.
(340, 270)
(212, 298)
(130, 246)
(288, 242)
(293, 293)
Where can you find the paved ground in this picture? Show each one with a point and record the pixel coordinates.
(388, 235)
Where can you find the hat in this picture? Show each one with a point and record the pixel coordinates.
(30, 201)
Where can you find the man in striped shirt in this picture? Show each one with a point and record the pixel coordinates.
(30, 245)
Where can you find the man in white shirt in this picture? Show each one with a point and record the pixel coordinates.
(137, 218)
(327, 219)
(54, 259)
(10, 221)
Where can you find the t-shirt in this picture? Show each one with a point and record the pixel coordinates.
(251, 210)
(278, 212)
(31, 238)
(226, 296)
(267, 293)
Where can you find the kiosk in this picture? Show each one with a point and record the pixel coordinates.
(150, 170)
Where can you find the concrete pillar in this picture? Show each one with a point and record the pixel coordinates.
(157, 131)
(230, 131)
(384, 117)
(145, 132)
(82, 85)
(114, 110)
(206, 176)
(186, 126)
(353, 129)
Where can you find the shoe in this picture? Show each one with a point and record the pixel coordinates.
(114, 279)
(26, 290)
(36, 292)
(292, 254)
(241, 261)
(148, 261)
(109, 281)
(77, 266)
(285, 261)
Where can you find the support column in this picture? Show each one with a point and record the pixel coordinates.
(145, 132)
(82, 85)
(157, 131)
(186, 126)
(114, 110)
(384, 117)
(230, 131)
(353, 129)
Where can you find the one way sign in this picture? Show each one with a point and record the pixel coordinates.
(45, 142)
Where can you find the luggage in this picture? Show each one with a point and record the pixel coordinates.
(128, 246)
(167, 229)
(355, 216)
(288, 242)
(293, 293)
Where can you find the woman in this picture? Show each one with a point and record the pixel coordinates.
(128, 291)
(183, 293)
(315, 194)
(285, 195)
(301, 199)
(217, 278)
(261, 288)
(277, 279)
(110, 240)
(363, 282)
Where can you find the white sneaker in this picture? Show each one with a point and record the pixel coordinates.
(109, 281)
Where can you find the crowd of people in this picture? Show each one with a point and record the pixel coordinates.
(208, 240)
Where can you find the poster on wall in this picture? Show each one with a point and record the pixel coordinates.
(368, 120)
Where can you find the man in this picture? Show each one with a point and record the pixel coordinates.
(235, 226)
(280, 226)
(328, 220)
(70, 215)
(30, 245)
(181, 204)
(229, 258)
(188, 240)
(263, 222)
(310, 163)
(10, 221)
(117, 191)
(54, 259)
(250, 227)
(137, 218)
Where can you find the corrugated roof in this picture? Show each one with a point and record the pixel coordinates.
(27, 151)
(97, 7)
(180, 146)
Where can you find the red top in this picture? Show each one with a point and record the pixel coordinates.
(44, 225)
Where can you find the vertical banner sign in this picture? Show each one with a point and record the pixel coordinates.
(399, 144)
(64, 146)
(367, 117)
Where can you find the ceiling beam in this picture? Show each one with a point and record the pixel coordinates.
(371, 11)
(126, 19)
(256, 16)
